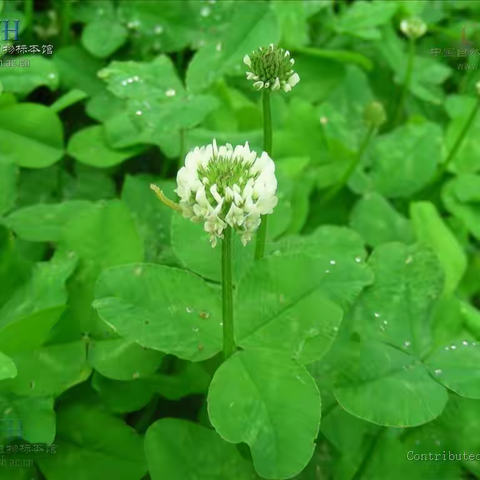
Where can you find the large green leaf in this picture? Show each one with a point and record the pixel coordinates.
(162, 308)
(362, 19)
(122, 396)
(7, 367)
(179, 449)
(431, 229)
(78, 69)
(457, 366)
(169, 25)
(404, 161)
(44, 222)
(102, 236)
(143, 81)
(8, 184)
(128, 396)
(396, 309)
(282, 304)
(14, 267)
(95, 445)
(29, 332)
(32, 419)
(342, 113)
(466, 158)
(270, 402)
(89, 146)
(68, 99)
(24, 79)
(45, 289)
(376, 219)
(462, 199)
(49, 370)
(372, 371)
(31, 134)
(123, 359)
(191, 245)
(103, 37)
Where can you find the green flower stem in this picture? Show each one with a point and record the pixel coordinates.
(66, 16)
(29, 16)
(458, 143)
(229, 346)
(332, 192)
(406, 84)
(267, 147)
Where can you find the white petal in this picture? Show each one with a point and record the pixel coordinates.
(216, 195)
(293, 80)
(247, 61)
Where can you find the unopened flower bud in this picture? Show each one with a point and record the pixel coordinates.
(413, 27)
(478, 88)
(271, 68)
(374, 114)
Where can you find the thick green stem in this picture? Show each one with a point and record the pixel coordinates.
(458, 143)
(29, 16)
(229, 346)
(406, 83)
(351, 168)
(267, 147)
(65, 18)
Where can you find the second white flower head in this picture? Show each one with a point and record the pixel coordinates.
(225, 186)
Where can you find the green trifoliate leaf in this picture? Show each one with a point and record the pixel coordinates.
(32, 419)
(179, 449)
(396, 308)
(122, 359)
(283, 304)
(457, 366)
(31, 135)
(183, 317)
(94, 444)
(270, 402)
(44, 222)
(376, 219)
(373, 371)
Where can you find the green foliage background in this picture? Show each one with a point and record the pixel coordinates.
(358, 332)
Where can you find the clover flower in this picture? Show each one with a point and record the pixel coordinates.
(225, 186)
(413, 27)
(271, 68)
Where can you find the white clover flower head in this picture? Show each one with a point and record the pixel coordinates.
(271, 68)
(225, 186)
(413, 27)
